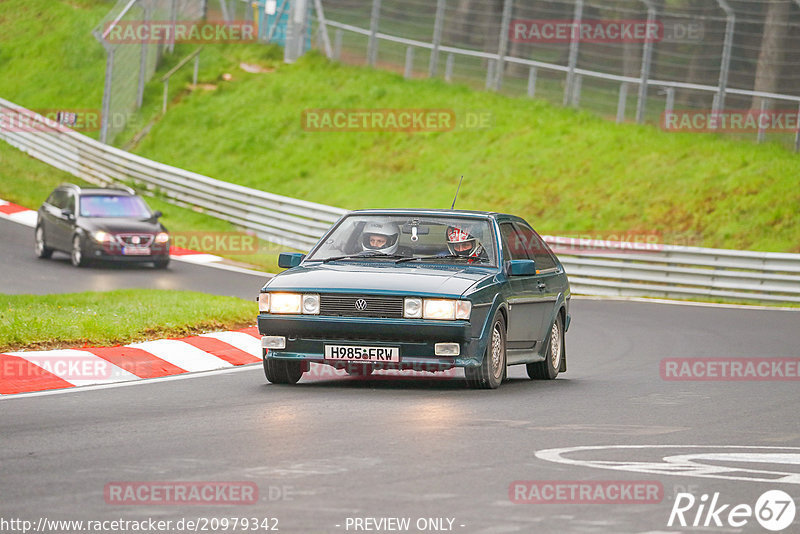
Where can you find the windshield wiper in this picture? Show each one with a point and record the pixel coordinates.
(362, 255)
(443, 257)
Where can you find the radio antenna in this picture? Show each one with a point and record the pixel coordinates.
(457, 190)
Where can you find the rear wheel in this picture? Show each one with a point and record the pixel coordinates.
(490, 373)
(76, 255)
(42, 251)
(548, 369)
(282, 371)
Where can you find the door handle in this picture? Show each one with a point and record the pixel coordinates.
(541, 285)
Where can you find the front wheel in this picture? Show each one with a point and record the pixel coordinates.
(161, 264)
(76, 255)
(548, 369)
(41, 249)
(282, 371)
(492, 370)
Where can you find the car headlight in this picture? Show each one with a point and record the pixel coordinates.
(101, 237)
(412, 308)
(162, 237)
(263, 302)
(289, 303)
(311, 304)
(439, 309)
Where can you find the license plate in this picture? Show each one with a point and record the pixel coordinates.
(362, 354)
(136, 251)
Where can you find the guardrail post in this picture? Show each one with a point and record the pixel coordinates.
(337, 45)
(621, 102)
(761, 132)
(409, 70)
(573, 51)
(448, 68)
(647, 55)
(532, 82)
(372, 47)
(502, 48)
(437, 38)
(730, 24)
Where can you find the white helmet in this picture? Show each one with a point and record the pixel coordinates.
(380, 237)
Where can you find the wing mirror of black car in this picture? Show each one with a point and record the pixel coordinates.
(157, 214)
(521, 268)
(68, 214)
(287, 260)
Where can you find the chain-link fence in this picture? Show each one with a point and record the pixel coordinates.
(708, 62)
(133, 53)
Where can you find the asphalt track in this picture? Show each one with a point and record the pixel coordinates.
(330, 449)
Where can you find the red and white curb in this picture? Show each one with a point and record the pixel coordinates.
(28, 217)
(30, 371)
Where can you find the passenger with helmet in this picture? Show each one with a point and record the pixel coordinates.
(380, 237)
(461, 242)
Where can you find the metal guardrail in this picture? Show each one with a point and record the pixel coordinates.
(613, 268)
(283, 220)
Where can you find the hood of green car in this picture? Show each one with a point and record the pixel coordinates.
(373, 277)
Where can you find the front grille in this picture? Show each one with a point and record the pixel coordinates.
(345, 306)
(145, 240)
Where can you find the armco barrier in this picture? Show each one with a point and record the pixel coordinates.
(663, 271)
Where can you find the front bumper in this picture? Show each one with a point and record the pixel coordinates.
(306, 337)
(104, 252)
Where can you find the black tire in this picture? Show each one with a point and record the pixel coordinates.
(161, 264)
(282, 371)
(492, 370)
(548, 369)
(359, 369)
(76, 256)
(40, 246)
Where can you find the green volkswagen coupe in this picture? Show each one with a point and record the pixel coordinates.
(419, 289)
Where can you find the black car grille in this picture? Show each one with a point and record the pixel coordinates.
(360, 306)
(136, 240)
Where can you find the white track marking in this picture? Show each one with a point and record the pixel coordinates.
(240, 340)
(182, 355)
(78, 367)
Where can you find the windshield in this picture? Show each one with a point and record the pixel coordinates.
(439, 239)
(113, 206)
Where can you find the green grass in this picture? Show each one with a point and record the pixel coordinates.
(115, 317)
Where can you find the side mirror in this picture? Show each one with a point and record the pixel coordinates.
(68, 214)
(521, 268)
(157, 214)
(287, 260)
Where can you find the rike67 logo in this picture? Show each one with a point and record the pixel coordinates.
(774, 510)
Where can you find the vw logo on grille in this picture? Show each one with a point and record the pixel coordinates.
(361, 305)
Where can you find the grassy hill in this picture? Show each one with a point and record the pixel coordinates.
(566, 171)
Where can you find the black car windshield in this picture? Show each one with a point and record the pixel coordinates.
(113, 206)
(410, 238)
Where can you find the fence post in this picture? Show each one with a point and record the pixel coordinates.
(573, 50)
(647, 55)
(726, 54)
(797, 135)
(196, 70)
(505, 23)
(143, 59)
(621, 102)
(107, 91)
(372, 47)
(296, 31)
(490, 66)
(323, 28)
(224, 7)
(668, 107)
(409, 70)
(166, 97)
(576, 90)
(448, 68)
(532, 82)
(337, 45)
(761, 132)
(173, 18)
(437, 38)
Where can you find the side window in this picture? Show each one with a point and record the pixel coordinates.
(537, 248)
(58, 199)
(513, 243)
(69, 202)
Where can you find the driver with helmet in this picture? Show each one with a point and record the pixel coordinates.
(380, 237)
(461, 242)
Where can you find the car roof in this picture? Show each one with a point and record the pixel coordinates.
(114, 189)
(430, 212)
